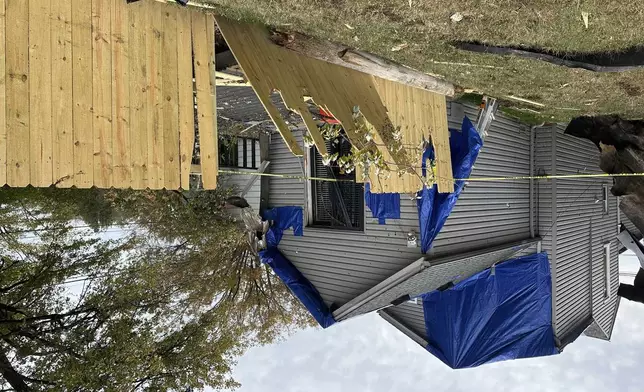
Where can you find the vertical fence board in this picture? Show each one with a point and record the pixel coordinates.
(61, 93)
(102, 92)
(17, 92)
(155, 104)
(3, 100)
(82, 92)
(121, 174)
(40, 140)
(186, 98)
(138, 95)
(171, 165)
(207, 131)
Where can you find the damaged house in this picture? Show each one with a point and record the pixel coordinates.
(357, 262)
(509, 251)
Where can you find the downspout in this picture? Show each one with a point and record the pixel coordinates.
(531, 219)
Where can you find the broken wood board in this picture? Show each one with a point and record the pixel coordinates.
(82, 80)
(388, 107)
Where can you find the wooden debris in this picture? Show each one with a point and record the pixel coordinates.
(519, 99)
(390, 110)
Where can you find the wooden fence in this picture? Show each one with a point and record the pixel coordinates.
(100, 93)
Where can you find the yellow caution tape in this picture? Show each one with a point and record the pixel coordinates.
(494, 179)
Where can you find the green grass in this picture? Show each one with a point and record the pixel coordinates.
(556, 25)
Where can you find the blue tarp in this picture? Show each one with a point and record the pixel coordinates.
(498, 314)
(434, 207)
(283, 218)
(299, 285)
(382, 205)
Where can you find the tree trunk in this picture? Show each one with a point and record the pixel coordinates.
(360, 61)
(15, 379)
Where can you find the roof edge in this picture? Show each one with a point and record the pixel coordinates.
(399, 325)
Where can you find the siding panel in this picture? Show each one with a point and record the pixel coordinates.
(582, 230)
(412, 316)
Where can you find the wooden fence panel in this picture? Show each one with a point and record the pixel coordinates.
(100, 93)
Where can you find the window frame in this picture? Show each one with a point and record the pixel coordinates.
(313, 194)
(248, 161)
(607, 275)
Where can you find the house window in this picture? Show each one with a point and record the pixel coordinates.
(338, 205)
(605, 192)
(607, 270)
(238, 152)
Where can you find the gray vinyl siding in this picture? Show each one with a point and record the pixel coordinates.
(546, 192)
(412, 316)
(344, 264)
(491, 213)
(575, 242)
(582, 230)
(285, 191)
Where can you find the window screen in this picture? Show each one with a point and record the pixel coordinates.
(336, 204)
